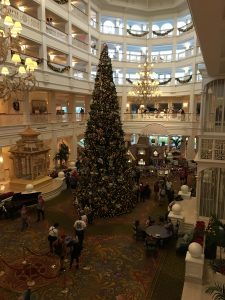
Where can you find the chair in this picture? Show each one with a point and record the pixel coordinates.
(138, 233)
(151, 247)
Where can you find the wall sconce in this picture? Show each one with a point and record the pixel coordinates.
(2, 188)
(1, 159)
(185, 104)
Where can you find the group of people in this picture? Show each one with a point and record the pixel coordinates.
(63, 245)
(163, 188)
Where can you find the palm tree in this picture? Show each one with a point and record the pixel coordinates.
(62, 155)
(217, 291)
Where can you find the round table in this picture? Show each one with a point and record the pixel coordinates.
(158, 231)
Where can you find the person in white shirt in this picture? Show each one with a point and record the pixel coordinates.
(79, 227)
(84, 217)
(53, 235)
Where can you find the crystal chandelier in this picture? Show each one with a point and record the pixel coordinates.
(146, 87)
(18, 78)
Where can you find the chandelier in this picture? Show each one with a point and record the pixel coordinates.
(17, 78)
(146, 87)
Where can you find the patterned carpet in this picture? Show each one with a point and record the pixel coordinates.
(114, 266)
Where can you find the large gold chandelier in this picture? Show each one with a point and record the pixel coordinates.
(17, 78)
(146, 87)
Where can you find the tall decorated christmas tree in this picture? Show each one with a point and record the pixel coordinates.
(105, 178)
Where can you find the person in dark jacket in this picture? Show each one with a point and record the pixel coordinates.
(75, 251)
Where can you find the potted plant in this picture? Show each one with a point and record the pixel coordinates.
(62, 155)
(217, 291)
(211, 238)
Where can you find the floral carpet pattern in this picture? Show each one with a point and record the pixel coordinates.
(113, 265)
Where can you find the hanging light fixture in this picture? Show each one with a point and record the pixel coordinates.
(13, 79)
(146, 87)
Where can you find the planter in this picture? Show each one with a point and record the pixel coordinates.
(210, 249)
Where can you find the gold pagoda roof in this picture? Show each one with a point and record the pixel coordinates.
(29, 132)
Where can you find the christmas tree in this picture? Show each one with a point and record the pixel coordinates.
(105, 177)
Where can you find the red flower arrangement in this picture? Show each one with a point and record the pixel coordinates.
(199, 232)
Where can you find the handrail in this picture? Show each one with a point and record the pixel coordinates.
(50, 25)
(79, 9)
(81, 41)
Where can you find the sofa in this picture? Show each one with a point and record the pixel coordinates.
(183, 242)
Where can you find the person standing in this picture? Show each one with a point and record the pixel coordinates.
(79, 227)
(40, 208)
(75, 251)
(53, 235)
(24, 218)
(60, 250)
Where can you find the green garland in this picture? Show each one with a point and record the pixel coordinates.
(138, 34)
(56, 69)
(186, 29)
(165, 82)
(184, 81)
(61, 1)
(162, 34)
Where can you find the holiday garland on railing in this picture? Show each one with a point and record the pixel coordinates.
(56, 69)
(38, 60)
(165, 82)
(61, 1)
(137, 34)
(185, 80)
(185, 29)
(158, 33)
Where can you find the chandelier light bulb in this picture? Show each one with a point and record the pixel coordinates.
(13, 32)
(5, 2)
(22, 70)
(8, 21)
(18, 26)
(16, 58)
(28, 61)
(5, 71)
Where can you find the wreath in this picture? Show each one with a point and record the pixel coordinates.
(137, 34)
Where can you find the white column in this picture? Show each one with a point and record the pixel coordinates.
(190, 148)
(53, 150)
(26, 109)
(52, 106)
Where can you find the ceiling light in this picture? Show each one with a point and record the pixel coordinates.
(22, 70)
(21, 8)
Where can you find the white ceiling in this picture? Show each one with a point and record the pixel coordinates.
(143, 6)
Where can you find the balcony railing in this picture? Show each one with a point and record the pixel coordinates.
(24, 18)
(80, 44)
(184, 54)
(82, 15)
(46, 118)
(162, 117)
(56, 33)
(80, 74)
